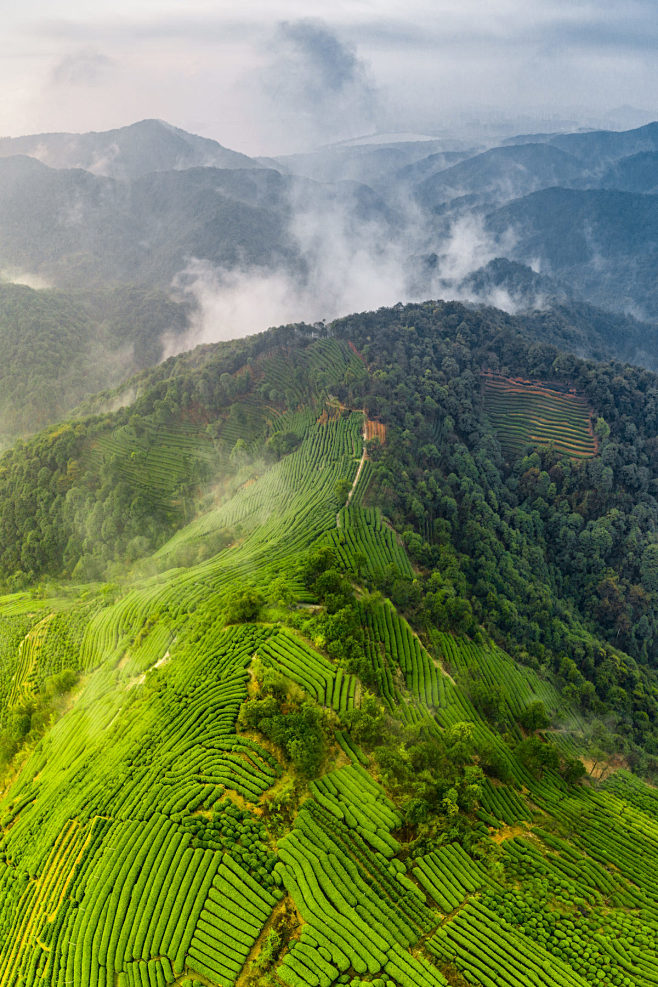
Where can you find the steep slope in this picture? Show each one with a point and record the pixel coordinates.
(105, 491)
(553, 314)
(376, 164)
(636, 173)
(605, 146)
(501, 174)
(84, 231)
(148, 203)
(81, 229)
(516, 283)
(597, 146)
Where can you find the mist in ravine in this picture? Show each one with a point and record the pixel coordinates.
(349, 265)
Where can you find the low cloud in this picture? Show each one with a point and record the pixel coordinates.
(468, 247)
(314, 88)
(30, 279)
(82, 68)
(350, 263)
(234, 303)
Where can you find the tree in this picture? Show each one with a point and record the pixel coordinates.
(534, 717)
(343, 488)
(573, 770)
(243, 605)
(538, 755)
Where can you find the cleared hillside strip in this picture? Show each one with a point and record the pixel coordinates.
(307, 667)
(366, 545)
(491, 665)
(154, 458)
(151, 756)
(233, 914)
(490, 952)
(23, 685)
(40, 905)
(449, 875)
(393, 649)
(281, 514)
(141, 873)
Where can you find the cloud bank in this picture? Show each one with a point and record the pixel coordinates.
(265, 78)
(351, 264)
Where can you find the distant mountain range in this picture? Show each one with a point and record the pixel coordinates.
(69, 224)
(602, 242)
(74, 226)
(136, 204)
(541, 222)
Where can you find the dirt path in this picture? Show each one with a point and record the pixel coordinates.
(357, 477)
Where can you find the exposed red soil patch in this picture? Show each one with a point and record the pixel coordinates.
(354, 350)
(374, 430)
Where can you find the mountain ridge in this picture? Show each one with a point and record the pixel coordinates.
(126, 152)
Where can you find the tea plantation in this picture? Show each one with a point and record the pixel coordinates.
(279, 747)
(527, 413)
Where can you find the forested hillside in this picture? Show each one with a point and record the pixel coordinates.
(317, 669)
(58, 348)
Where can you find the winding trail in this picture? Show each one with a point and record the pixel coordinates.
(358, 473)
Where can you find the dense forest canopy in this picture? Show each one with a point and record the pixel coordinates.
(57, 348)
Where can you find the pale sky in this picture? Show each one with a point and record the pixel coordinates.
(269, 77)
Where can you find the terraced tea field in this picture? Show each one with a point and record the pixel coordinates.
(152, 836)
(526, 413)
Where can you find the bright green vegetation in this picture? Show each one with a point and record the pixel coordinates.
(111, 488)
(302, 737)
(356, 910)
(526, 413)
(122, 840)
(499, 688)
(366, 546)
(291, 657)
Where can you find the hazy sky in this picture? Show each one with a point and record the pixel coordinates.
(268, 77)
